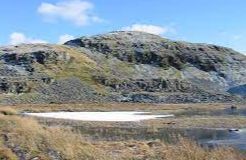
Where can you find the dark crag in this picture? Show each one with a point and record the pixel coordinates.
(121, 66)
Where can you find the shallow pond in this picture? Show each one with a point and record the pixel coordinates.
(236, 139)
(100, 116)
(206, 137)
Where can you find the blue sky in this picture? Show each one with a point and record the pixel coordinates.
(221, 22)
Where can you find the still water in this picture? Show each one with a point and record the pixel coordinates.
(100, 116)
(204, 136)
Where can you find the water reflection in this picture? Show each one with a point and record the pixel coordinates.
(236, 139)
(206, 137)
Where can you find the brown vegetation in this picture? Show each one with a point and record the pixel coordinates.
(193, 119)
(91, 106)
(26, 137)
(7, 111)
(155, 150)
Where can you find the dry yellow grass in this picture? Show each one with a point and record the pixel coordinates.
(34, 140)
(124, 107)
(26, 136)
(198, 122)
(178, 122)
(7, 154)
(183, 150)
(7, 111)
(187, 150)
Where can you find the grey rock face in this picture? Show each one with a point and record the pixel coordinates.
(69, 90)
(13, 86)
(148, 85)
(18, 70)
(26, 55)
(145, 48)
(121, 66)
(221, 67)
(202, 97)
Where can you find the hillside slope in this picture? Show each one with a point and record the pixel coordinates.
(121, 66)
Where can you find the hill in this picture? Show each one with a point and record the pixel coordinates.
(121, 67)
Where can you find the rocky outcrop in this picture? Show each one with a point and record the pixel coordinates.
(148, 85)
(134, 47)
(69, 90)
(143, 48)
(19, 71)
(202, 97)
(219, 66)
(16, 87)
(18, 57)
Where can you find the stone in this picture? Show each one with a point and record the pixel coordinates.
(121, 66)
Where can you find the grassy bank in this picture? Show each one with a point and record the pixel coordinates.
(158, 108)
(23, 137)
(186, 115)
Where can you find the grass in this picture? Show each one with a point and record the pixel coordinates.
(155, 150)
(7, 154)
(211, 122)
(123, 107)
(180, 121)
(30, 138)
(7, 111)
(27, 137)
(78, 65)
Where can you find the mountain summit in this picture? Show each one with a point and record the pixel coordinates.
(121, 66)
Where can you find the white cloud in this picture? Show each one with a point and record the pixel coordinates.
(76, 11)
(158, 30)
(64, 38)
(18, 38)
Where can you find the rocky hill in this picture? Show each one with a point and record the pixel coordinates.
(122, 67)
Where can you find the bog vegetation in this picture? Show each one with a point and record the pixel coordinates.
(25, 138)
